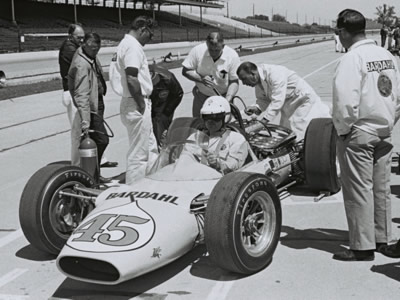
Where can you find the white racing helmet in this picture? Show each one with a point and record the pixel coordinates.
(217, 107)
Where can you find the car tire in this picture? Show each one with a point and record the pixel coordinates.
(320, 166)
(243, 222)
(61, 162)
(43, 211)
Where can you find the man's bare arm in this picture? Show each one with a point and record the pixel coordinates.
(233, 88)
(196, 77)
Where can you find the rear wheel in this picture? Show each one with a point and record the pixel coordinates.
(47, 217)
(61, 162)
(320, 166)
(243, 222)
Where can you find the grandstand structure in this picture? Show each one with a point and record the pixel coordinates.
(41, 25)
(35, 25)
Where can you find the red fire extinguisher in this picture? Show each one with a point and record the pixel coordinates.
(88, 156)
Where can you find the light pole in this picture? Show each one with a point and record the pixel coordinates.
(75, 15)
(119, 12)
(13, 13)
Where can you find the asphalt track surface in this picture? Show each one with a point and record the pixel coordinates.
(34, 131)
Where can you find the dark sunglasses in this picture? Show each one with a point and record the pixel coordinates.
(215, 118)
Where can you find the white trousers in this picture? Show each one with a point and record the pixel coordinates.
(142, 143)
(297, 117)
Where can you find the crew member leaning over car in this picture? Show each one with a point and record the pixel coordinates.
(227, 150)
(280, 90)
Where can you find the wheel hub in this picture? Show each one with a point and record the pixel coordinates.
(251, 225)
(258, 223)
(67, 211)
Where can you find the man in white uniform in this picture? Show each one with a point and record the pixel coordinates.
(227, 150)
(280, 90)
(212, 66)
(131, 64)
(366, 97)
(338, 44)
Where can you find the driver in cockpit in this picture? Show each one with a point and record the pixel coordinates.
(227, 150)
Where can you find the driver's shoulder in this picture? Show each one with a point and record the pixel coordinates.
(233, 135)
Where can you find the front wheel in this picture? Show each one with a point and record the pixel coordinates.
(243, 222)
(46, 216)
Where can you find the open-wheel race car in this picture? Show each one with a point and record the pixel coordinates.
(110, 234)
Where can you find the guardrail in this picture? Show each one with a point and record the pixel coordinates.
(166, 52)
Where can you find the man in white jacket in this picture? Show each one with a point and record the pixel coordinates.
(280, 90)
(366, 97)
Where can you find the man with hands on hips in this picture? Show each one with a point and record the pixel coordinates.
(212, 66)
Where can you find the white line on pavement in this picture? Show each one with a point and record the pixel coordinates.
(288, 202)
(10, 276)
(13, 297)
(221, 289)
(10, 237)
(319, 69)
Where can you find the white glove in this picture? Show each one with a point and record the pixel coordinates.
(66, 98)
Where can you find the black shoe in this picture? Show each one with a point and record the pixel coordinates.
(355, 255)
(109, 164)
(104, 179)
(392, 251)
(120, 178)
(380, 246)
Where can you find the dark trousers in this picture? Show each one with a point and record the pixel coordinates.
(383, 40)
(100, 135)
(161, 123)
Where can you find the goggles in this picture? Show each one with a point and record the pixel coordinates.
(215, 118)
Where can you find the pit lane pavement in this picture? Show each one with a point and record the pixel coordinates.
(35, 130)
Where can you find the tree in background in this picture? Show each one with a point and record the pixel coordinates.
(260, 17)
(278, 18)
(386, 15)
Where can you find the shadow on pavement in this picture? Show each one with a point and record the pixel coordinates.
(396, 220)
(328, 240)
(77, 290)
(390, 270)
(205, 268)
(31, 253)
(395, 190)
